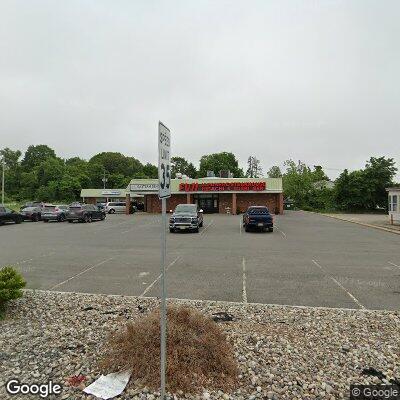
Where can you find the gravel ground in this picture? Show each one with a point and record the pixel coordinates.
(283, 352)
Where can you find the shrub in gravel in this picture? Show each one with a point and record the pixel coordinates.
(11, 283)
(198, 352)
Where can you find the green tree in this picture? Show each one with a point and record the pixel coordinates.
(254, 169)
(220, 162)
(274, 172)
(12, 171)
(182, 166)
(365, 189)
(299, 184)
(35, 155)
(51, 169)
(150, 171)
(379, 173)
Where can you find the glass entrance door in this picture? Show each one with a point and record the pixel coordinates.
(209, 203)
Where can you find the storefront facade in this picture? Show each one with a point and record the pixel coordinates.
(213, 195)
(394, 205)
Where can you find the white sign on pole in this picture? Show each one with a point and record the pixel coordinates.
(164, 181)
(164, 161)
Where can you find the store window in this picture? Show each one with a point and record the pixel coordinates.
(394, 203)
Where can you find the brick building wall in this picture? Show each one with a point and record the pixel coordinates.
(244, 200)
(153, 203)
(274, 201)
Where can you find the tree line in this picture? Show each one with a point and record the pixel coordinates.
(39, 174)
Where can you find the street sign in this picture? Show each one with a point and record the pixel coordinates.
(164, 161)
(164, 182)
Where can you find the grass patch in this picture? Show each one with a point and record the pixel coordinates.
(198, 353)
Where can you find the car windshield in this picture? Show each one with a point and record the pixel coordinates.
(50, 208)
(258, 210)
(75, 207)
(185, 208)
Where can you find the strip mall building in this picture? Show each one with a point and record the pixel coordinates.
(213, 195)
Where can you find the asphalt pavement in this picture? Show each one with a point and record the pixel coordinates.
(309, 260)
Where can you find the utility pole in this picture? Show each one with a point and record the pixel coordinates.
(2, 182)
(104, 179)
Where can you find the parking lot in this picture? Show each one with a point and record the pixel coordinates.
(308, 260)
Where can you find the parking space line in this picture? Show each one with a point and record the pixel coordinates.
(204, 230)
(244, 290)
(81, 273)
(159, 277)
(34, 258)
(394, 265)
(281, 232)
(339, 284)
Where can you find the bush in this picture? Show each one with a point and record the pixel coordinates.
(198, 352)
(11, 283)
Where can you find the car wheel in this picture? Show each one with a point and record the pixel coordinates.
(86, 218)
(70, 221)
(196, 230)
(172, 230)
(35, 218)
(112, 211)
(201, 224)
(89, 219)
(61, 218)
(270, 229)
(17, 221)
(246, 228)
(45, 220)
(102, 217)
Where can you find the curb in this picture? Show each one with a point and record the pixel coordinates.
(360, 223)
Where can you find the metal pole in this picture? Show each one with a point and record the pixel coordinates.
(163, 297)
(2, 182)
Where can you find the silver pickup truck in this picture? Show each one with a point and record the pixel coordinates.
(186, 217)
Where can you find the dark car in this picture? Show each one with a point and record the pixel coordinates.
(85, 213)
(186, 217)
(7, 215)
(54, 213)
(258, 217)
(38, 204)
(32, 214)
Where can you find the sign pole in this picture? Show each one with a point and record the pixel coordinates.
(164, 191)
(163, 297)
(2, 182)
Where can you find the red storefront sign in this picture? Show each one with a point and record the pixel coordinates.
(223, 187)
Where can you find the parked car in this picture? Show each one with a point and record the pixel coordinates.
(186, 217)
(85, 213)
(38, 204)
(115, 207)
(258, 217)
(7, 215)
(54, 213)
(31, 214)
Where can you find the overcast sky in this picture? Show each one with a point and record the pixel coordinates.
(312, 80)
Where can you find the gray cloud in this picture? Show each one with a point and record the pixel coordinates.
(316, 81)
